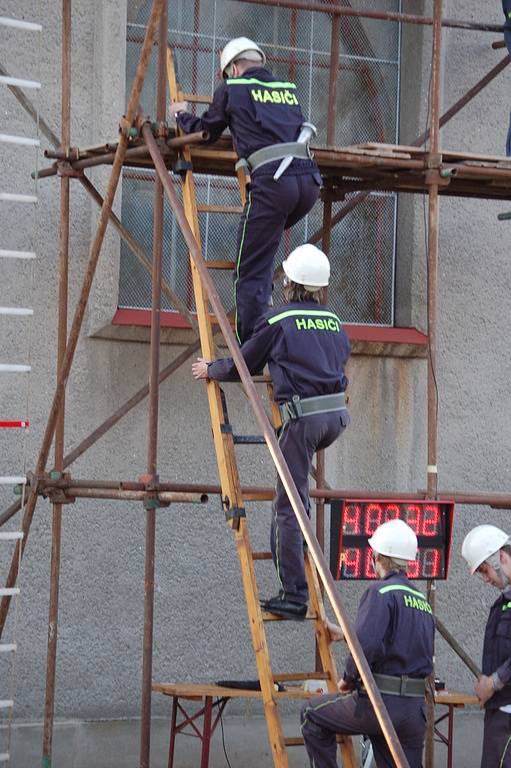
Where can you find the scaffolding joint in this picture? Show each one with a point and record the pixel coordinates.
(66, 170)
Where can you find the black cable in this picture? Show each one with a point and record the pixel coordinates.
(223, 739)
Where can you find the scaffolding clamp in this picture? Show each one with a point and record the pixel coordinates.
(127, 129)
(65, 169)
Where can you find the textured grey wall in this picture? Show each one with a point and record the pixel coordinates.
(200, 627)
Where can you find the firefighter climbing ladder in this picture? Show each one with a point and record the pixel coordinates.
(234, 503)
(12, 425)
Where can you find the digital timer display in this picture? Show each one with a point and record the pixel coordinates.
(353, 522)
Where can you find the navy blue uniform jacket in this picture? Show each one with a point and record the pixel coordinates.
(396, 628)
(259, 111)
(497, 649)
(306, 349)
(506, 7)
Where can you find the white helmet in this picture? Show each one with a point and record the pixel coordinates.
(308, 266)
(240, 48)
(481, 543)
(395, 539)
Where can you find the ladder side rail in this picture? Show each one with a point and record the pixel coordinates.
(227, 466)
(279, 461)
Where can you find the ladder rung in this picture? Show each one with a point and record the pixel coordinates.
(14, 368)
(12, 480)
(249, 440)
(10, 535)
(293, 741)
(219, 264)
(8, 647)
(262, 378)
(9, 591)
(12, 197)
(197, 98)
(267, 616)
(19, 83)
(261, 556)
(16, 311)
(220, 209)
(28, 25)
(6, 703)
(7, 138)
(297, 741)
(6, 254)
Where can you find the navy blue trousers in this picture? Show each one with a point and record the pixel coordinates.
(496, 740)
(298, 442)
(323, 717)
(271, 207)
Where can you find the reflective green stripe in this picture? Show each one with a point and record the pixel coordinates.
(509, 14)
(501, 764)
(302, 313)
(238, 262)
(254, 81)
(506, 606)
(401, 588)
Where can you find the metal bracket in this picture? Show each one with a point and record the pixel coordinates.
(226, 429)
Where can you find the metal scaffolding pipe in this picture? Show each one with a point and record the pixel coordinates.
(151, 504)
(53, 609)
(406, 18)
(432, 316)
(165, 497)
(108, 157)
(280, 464)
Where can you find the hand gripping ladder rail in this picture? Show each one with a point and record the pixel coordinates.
(8, 370)
(233, 502)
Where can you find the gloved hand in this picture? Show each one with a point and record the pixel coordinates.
(177, 106)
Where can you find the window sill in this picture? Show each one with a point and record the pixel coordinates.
(375, 340)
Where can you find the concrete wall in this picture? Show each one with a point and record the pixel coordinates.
(200, 627)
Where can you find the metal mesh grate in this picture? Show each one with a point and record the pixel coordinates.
(297, 44)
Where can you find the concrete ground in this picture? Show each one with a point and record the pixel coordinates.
(114, 744)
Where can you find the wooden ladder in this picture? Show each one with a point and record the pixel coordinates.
(233, 501)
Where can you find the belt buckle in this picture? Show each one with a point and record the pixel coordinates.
(296, 406)
(403, 685)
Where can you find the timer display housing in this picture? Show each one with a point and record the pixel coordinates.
(353, 522)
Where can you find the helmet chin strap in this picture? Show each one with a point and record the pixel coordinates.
(494, 561)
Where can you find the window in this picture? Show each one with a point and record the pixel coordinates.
(297, 44)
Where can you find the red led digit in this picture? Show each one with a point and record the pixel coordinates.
(431, 563)
(392, 512)
(368, 565)
(351, 519)
(351, 563)
(413, 570)
(413, 517)
(373, 517)
(430, 520)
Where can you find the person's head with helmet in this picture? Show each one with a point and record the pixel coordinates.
(239, 55)
(306, 274)
(394, 545)
(487, 551)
